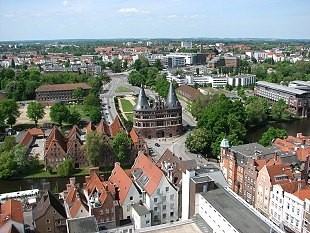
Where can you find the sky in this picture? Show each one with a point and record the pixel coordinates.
(103, 19)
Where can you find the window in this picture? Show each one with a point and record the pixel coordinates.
(164, 207)
(54, 211)
(171, 205)
(171, 214)
(48, 229)
(171, 196)
(131, 198)
(48, 221)
(155, 208)
(164, 216)
(167, 189)
(155, 199)
(164, 198)
(147, 221)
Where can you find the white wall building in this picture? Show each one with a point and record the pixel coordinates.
(186, 44)
(293, 209)
(242, 80)
(141, 216)
(218, 81)
(158, 194)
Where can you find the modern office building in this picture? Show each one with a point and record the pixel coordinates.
(186, 44)
(296, 99)
(158, 119)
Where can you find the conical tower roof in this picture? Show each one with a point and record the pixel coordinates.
(172, 100)
(142, 103)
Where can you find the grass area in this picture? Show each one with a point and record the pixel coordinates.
(123, 89)
(79, 109)
(129, 116)
(127, 106)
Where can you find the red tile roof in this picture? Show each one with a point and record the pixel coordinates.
(290, 187)
(303, 194)
(27, 139)
(63, 87)
(56, 136)
(122, 181)
(134, 136)
(11, 210)
(76, 206)
(283, 145)
(90, 127)
(36, 132)
(116, 127)
(103, 128)
(150, 170)
(96, 184)
(277, 170)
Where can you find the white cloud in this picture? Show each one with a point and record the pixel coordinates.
(65, 2)
(172, 16)
(132, 10)
(9, 15)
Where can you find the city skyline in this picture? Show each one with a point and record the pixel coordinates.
(94, 19)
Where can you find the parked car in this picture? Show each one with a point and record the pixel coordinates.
(156, 144)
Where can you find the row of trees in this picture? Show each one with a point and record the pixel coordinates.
(149, 76)
(219, 117)
(21, 85)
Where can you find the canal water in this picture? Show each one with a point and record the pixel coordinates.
(59, 184)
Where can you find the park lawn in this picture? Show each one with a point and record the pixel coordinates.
(129, 116)
(79, 109)
(123, 89)
(126, 105)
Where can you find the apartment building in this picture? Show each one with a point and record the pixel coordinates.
(242, 80)
(297, 100)
(267, 177)
(306, 219)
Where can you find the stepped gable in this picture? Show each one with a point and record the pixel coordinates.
(73, 132)
(56, 137)
(90, 127)
(73, 136)
(116, 127)
(146, 173)
(172, 100)
(121, 180)
(142, 103)
(96, 184)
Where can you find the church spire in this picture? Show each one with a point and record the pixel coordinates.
(172, 100)
(142, 103)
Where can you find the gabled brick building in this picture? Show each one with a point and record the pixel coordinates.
(58, 148)
(11, 217)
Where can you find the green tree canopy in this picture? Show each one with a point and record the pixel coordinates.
(74, 117)
(9, 111)
(116, 65)
(272, 134)
(35, 112)
(78, 93)
(279, 111)
(198, 141)
(59, 113)
(94, 147)
(91, 101)
(256, 111)
(8, 143)
(198, 105)
(65, 168)
(95, 115)
(121, 145)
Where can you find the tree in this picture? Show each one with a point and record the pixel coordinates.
(8, 144)
(65, 168)
(158, 64)
(121, 145)
(116, 65)
(74, 117)
(198, 105)
(7, 165)
(256, 112)
(95, 115)
(270, 135)
(94, 147)
(59, 113)
(35, 112)
(198, 140)
(91, 101)
(13, 63)
(279, 111)
(78, 93)
(9, 111)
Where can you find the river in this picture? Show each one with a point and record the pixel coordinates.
(292, 128)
